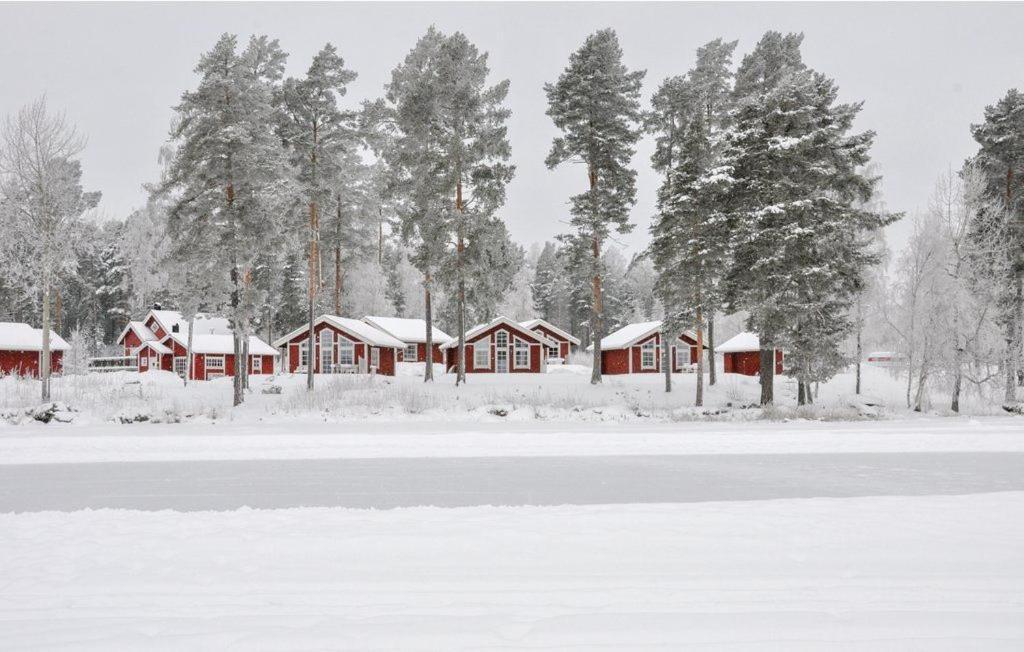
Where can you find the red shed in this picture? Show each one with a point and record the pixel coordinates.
(546, 329)
(412, 333)
(742, 355)
(636, 349)
(341, 345)
(501, 346)
(21, 348)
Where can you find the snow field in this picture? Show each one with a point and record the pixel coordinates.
(563, 394)
(894, 573)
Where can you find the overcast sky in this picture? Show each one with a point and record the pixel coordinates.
(925, 72)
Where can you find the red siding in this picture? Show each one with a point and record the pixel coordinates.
(361, 350)
(26, 363)
(535, 348)
(615, 362)
(152, 325)
(748, 363)
(131, 342)
(563, 344)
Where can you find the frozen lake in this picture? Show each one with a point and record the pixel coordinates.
(196, 485)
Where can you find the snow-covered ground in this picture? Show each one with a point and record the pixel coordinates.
(561, 395)
(876, 573)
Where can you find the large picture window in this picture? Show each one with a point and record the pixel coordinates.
(648, 355)
(482, 354)
(304, 353)
(346, 352)
(215, 363)
(411, 353)
(683, 356)
(180, 366)
(375, 357)
(522, 353)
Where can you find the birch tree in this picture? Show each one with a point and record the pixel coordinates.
(41, 205)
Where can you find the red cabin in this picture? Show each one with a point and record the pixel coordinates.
(412, 333)
(21, 348)
(742, 355)
(501, 346)
(636, 349)
(565, 341)
(341, 345)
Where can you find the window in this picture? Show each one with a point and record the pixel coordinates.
(257, 364)
(375, 357)
(683, 356)
(346, 352)
(522, 353)
(180, 365)
(215, 363)
(552, 351)
(648, 355)
(501, 339)
(326, 351)
(304, 353)
(144, 362)
(411, 353)
(482, 354)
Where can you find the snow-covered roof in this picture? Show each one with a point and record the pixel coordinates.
(160, 348)
(220, 343)
(206, 324)
(360, 329)
(740, 343)
(480, 328)
(630, 334)
(16, 336)
(140, 329)
(410, 331)
(533, 323)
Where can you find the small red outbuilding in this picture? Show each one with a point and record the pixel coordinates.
(21, 347)
(742, 355)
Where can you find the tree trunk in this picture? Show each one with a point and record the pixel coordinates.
(921, 381)
(58, 311)
(44, 355)
(314, 285)
(1013, 342)
(712, 378)
(596, 314)
(188, 351)
(910, 377)
(767, 373)
(337, 279)
(699, 401)
(801, 392)
(859, 355)
(954, 403)
(245, 363)
(460, 358)
(237, 376)
(428, 369)
(666, 358)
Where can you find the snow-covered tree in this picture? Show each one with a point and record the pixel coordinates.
(1001, 160)
(691, 233)
(801, 236)
(321, 140)
(596, 105)
(448, 151)
(41, 205)
(228, 179)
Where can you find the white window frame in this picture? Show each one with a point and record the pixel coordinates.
(684, 363)
(346, 347)
(255, 364)
(304, 353)
(482, 354)
(326, 339)
(412, 352)
(144, 361)
(183, 360)
(651, 349)
(375, 357)
(520, 346)
(221, 366)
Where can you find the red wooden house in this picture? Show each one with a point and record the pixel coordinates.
(341, 345)
(565, 341)
(501, 346)
(160, 342)
(742, 355)
(412, 333)
(636, 349)
(21, 348)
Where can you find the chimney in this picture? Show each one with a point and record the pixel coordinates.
(175, 328)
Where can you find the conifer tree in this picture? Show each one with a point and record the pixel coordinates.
(1001, 158)
(690, 235)
(595, 104)
(320, 138)
(228, 178)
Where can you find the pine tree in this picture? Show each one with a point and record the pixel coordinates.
(112, 292)
(320, 137)
(1001, 158)
(547, 284)
(690, 235)
(801, 240)
(395, 292)
(595, 104)
(289, 311)
(448, 152)
(228, 178)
